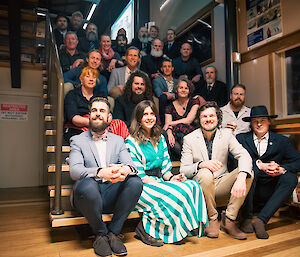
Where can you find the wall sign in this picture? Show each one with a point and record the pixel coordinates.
(264, 22)
(14, 112)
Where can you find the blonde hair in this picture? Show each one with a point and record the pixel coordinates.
(88, 70)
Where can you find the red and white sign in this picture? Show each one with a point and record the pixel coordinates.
(14, 112)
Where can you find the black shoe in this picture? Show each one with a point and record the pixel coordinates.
(146, 238)
(246, 226)
(116, 245)
(101, 246)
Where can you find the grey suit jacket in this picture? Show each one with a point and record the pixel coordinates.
(194, 150)
(84, 157)
(117, 77)
(160, 85)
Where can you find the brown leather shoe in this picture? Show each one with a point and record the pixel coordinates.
(230, 228)
(259, 228)
(146, 238)
(212, 231)
(246, 226)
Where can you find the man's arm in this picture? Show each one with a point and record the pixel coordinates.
(72, 76)
(157, 87)
(113, 80)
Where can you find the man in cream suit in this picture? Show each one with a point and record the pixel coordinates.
(119, 76)
(204, 158)
(106, 180)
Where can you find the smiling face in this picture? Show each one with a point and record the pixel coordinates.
(94, 60)
(260, 126)
(148, 119)
(71, 41)
(153, 32)
(209, 119)
(183, 90)
(100, 116)
(138, 85)
(132, 58)
(167, 68)
(105, 43)
(237, 97)
(89, 80)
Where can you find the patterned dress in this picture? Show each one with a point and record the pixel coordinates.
(170, 209)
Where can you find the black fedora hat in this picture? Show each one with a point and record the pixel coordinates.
(258, 111)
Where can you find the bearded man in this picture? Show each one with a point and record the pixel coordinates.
(137, 88)
(141, 42)
(91, 39)
(106, 180)
(235, 111)
(204, 158)
(151, 64)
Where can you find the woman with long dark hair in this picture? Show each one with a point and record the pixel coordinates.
(171, 205)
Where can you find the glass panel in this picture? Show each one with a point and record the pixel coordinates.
(292, 61)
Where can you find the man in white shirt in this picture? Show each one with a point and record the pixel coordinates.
(106, 180)
(119, 76)
(275, 164)
(235, 111)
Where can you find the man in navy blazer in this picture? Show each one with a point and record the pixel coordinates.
(163, 87)
(275, 163)
(171, 47)
(106, 180)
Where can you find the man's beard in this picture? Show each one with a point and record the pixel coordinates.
(208, 130)
(210, 81)
(121, 49)
(135, 98)
(156, 53)
(98, 127)
(143, 39)
(237, 104)
(92, 36)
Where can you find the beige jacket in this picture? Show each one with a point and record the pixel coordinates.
(194, 150)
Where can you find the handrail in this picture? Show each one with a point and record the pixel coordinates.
(56, 99)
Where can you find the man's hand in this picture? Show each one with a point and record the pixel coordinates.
(231, 126)
(148, 180)
(212, 165)
(196, 78)
(76, 63)
(169, 95)
(110, 173)
(239, 187)
(156, 75)
(276, 172)
(268, 167)
(179, 177)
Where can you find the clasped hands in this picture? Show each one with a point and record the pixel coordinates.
(271, 168)
(115, 172)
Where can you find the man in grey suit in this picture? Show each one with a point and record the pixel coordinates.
(106, 180)
(163, 87)
(204, 158)
(119, 76)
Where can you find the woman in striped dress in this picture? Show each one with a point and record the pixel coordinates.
(171, 205)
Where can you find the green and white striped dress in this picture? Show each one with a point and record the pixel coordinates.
(170, 209)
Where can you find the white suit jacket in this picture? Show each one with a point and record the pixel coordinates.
(194, 150)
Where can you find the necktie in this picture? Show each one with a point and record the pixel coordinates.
(209, 87)
(169, 46)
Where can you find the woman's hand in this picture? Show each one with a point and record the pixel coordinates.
(179, 177)
(171, 138)
(148, 180)
(112, 65)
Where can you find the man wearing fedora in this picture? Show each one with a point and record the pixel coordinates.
(275, 164)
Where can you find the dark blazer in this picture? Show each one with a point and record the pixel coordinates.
(59, 38)
(138, 44)
(218, 93)
(84, 45)
(191, 68)
(123, 110)
(174, 50)
(279, 150)
(151, 65)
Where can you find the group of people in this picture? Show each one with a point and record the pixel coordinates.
(124, 123)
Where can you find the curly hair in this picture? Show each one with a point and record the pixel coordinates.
(128, 86)
(211, 104)
(136, 130)
(189, 83)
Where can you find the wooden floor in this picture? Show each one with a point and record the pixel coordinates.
(25, 231)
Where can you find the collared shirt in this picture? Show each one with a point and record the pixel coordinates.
(101, 149)
(128, 73)
(261, 144)
(209, 144)
(210, 86)
(170, 85)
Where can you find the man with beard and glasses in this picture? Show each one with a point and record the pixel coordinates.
(212, 89)
(106, 180)
(204, 159)
(91, 40)
(151, 64)
(235, 111)
(141, 42)
(138, 88)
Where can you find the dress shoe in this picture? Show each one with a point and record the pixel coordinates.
(212, 231)
(146, 238)
(230, 228)
(101, 246)
(246, 226)
(116, 245)
(259, 228)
